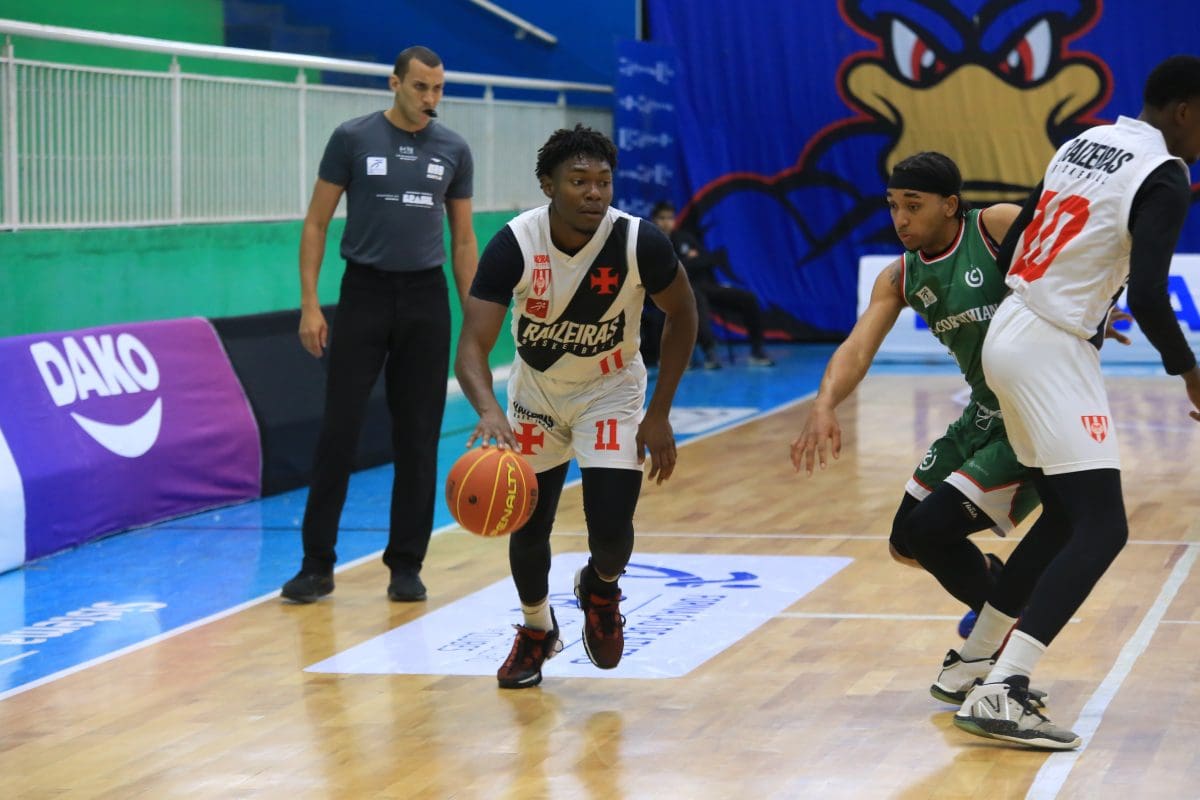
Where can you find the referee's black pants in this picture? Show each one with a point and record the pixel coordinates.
(398, 322)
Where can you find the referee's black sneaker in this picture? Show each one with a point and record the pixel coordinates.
(406, 587)
(307, 587)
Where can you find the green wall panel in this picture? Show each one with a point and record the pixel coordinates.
(53, 280)
(197, 21)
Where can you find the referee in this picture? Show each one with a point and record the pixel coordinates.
(402, 173)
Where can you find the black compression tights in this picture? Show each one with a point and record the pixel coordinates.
(934, 531)
(609, 499)
(1055, 567)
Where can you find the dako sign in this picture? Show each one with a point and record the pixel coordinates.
(103, 366)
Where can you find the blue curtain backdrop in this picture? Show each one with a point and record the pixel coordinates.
(791, 114)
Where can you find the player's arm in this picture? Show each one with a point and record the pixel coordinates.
(482, 320)
(666, 282)
(998, 219)
(1156, 219)
(1008, 242)
(464, 248)
(675, 350)
(314, 332)
(499, 271)
(846, 369)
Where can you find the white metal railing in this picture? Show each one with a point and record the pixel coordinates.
(97, 147)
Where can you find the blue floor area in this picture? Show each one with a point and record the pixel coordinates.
(65, 610)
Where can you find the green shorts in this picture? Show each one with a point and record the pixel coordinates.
(975, 457)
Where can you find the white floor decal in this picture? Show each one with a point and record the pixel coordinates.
(680, 611)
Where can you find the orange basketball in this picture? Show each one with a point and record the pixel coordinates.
(491, 492)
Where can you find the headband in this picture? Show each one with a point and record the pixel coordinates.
(923, 180)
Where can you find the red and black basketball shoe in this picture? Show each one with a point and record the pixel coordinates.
(532, 648)
(603, 625)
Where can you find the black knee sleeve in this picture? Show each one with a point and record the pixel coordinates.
(609, 499)
(1083, 533)
(899, 537)
(936, 532)
(529, 547)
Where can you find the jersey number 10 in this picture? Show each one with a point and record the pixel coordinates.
(1043, 242)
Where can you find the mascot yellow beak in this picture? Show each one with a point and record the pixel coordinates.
(998, 134)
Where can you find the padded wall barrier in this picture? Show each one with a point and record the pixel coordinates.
(286, 388)
(109, 428)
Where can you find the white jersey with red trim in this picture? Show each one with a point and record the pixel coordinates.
(1073, 257)
(577, 317)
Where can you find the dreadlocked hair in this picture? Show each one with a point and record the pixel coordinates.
(581, 141)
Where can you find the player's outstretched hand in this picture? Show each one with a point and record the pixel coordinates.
(820, 437)
(655, 434)
(493, 428)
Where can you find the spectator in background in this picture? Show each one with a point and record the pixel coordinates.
(402, 173)
(701, 266)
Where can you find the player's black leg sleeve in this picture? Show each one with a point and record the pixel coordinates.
(899, 537)
(609, 499)
(1097, 531)
(1033, 553)
(529, 547)
(936, 532)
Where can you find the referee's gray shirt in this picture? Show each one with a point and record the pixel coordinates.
(396, 186)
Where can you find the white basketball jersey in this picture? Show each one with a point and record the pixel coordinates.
(1073, 258)
(576, 318)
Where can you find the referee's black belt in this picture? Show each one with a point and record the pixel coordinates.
(392, 273)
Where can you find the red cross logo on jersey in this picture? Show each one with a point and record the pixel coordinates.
(527, 439)
(541, 279)
(1096, 426)
(604, 282)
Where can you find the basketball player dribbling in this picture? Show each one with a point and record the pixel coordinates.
(1108, 211)
(578, 271)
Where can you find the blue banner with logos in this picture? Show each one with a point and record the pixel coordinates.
(645, 129)
(791, 118)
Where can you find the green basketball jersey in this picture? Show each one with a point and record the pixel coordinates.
(956, 294)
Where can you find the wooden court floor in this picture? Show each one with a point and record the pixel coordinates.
(827, 700)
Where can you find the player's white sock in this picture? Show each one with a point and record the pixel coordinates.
(1019, 657)
(990, 629)
(537, 616)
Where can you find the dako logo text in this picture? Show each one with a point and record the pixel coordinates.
(103, 366)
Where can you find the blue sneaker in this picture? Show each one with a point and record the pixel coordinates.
(966, 624)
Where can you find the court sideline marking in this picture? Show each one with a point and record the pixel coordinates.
(1053, 774)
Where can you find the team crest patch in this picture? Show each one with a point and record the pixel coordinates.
(603, 281)
(1096, 425)
(376, 165)
(537, 308)
(926, 296)
(541, 279)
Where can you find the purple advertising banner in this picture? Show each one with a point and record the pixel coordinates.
(115, 427)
